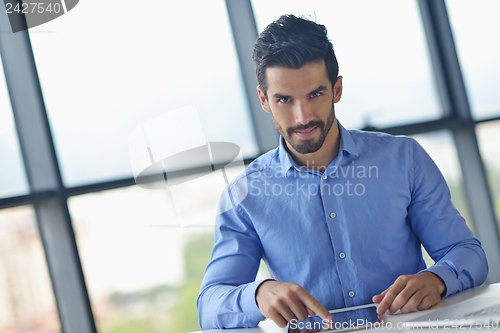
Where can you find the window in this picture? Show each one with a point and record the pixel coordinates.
(487, 137)
(142, 271)
(441, 148)
(105, 72)
(476, 31)
(382, 55)
(26, 299)
(12, 177)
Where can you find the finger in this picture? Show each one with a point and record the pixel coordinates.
(413, 301)
(277, 318)
(391, 294)
(383, 301)
(385, 291)
(299, 310)
(286, 313)
(293, 305)
(411, 289)
(378, 298)
(314, 305)
(330, 325)
(310, 312)
(427, 302)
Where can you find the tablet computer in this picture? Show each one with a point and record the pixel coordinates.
(344, 320)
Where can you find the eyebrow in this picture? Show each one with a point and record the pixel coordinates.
(320, 88)
(279, 96)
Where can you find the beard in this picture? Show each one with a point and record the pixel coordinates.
(307, 146)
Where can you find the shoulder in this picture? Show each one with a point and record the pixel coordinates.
(378, 142)
(267, 165)
(262, 164)
(379, 138)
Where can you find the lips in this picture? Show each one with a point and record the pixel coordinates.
(307, 133)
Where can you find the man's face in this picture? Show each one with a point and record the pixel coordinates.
(301, 104)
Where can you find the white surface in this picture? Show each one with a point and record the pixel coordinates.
(461, 299)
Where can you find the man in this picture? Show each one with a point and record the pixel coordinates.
(338, 216)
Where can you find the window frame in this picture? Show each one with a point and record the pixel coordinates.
(49, 195)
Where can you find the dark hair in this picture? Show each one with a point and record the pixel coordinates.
(292, 42)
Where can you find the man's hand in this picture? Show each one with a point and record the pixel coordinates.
(418, 291)
(284, 301)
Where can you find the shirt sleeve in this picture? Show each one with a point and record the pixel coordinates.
(227, 293)
(460, 259)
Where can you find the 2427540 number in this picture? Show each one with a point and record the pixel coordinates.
(33, 7)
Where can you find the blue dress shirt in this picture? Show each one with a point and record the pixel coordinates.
(344, 235)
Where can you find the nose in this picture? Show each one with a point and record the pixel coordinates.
(303, 112)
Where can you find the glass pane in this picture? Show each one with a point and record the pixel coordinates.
(382, 55)
(476, 30)
(12, 176)
(488, 135)
(441, 148)
(106, 72)
(27, 301)
(143, 270)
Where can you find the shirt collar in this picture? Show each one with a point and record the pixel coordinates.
(286, 160)
(346, 144)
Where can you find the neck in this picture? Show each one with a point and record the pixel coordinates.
(320, 159)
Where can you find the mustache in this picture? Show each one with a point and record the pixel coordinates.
(317, 123)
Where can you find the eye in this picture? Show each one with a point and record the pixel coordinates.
(316, 94)
(284, 100)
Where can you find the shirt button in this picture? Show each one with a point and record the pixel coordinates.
(333, 215)
(351, 293)
(325, 176)
(342, 255)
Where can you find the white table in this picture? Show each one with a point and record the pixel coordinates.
(492, 290)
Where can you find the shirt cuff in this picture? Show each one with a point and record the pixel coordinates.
(249, 304)
(448, 276)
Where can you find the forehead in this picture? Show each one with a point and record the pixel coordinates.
(289, 81)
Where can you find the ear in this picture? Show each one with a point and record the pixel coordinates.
(263, 100)
(337, 90)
